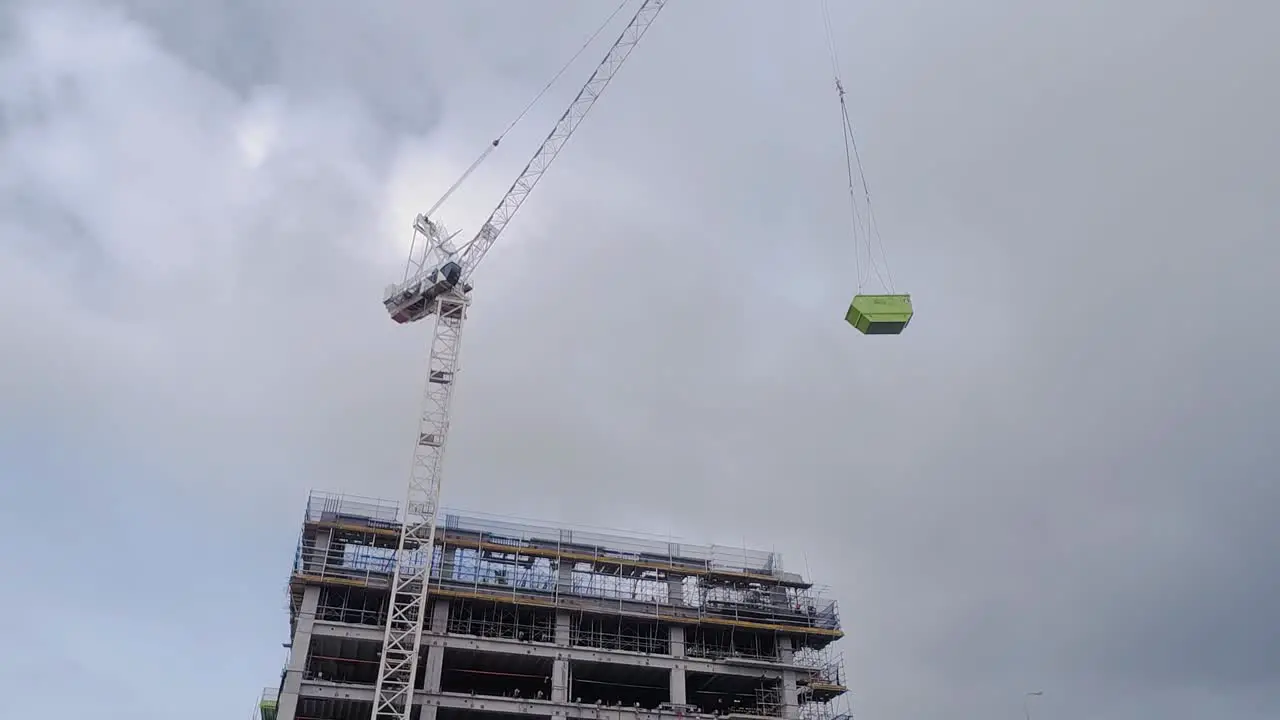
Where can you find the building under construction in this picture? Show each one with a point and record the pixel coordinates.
(550, 622)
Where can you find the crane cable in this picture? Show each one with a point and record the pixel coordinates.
(854, 160)
(525, 111)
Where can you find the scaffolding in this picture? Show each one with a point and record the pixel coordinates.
(501, 620)
(618, 633)
(268, 701)
(833, 709)
(768, 701)
(821, 684)
(350, 542)
(719, 643)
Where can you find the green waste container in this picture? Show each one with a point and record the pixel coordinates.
(879, 314)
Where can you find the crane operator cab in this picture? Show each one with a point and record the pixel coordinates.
(416, 300)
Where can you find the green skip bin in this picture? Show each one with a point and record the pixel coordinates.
(879, 314)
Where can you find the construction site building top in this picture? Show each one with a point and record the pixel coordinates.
(336, 549)
(482, 532)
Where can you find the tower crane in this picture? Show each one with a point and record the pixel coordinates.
(437, 286)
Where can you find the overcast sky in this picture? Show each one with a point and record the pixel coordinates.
(1061, 477)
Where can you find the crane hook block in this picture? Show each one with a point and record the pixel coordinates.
(879, 314)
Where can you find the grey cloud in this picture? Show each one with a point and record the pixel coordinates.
(309, 49)
(1060, 477)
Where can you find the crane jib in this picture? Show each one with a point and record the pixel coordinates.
(405, 303)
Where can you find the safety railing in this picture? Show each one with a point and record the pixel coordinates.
(268, 702)
(636, 547)
(350, 542)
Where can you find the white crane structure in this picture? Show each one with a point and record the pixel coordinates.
(437, 286)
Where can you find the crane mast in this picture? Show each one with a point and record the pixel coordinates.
(436, 286)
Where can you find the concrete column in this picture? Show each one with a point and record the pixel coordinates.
(434, 668)
(678, 692)
(564, 577)
(675, 589)
(299, 649)
(564, 622)
(449, 563)
(786, 652)
(790, 696)
(676, 636)
(437, 624)
(439, 616)
(560, 680)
